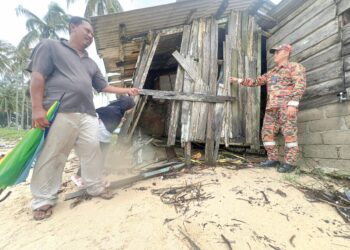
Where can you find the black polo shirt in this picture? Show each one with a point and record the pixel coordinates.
(67, 72)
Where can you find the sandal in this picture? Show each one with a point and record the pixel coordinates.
(106, 194)
(42, 212)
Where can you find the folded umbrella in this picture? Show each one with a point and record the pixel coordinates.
(15, 166)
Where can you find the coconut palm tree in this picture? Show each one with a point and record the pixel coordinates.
(6, 51)
(99, 7)
(55, 20)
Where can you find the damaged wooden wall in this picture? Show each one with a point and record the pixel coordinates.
(319, 38)
(234, 122)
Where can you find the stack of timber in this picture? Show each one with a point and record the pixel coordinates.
(321, 44)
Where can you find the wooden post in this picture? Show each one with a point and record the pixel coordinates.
(187, 153)
(212, 123)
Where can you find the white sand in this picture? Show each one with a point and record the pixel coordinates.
(136, 219)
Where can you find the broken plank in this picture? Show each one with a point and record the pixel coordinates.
(193, 97)
(176, 105)
(130, 180)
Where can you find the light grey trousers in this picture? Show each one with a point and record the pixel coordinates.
(69, 130)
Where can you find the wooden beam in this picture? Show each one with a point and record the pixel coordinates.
(175, 105)
(211, 123)
(140, 79)
(221, 9)
(192, 97)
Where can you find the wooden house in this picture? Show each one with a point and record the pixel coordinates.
(183, 53)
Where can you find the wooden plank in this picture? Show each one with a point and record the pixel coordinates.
(191, 72)
(317, 102)
(308, 28)
(188, 154)
(316, 37)
(326, 56)
(344, 5)
(310, 45)
(253, 94)
(175, 106)
(210, 149)
(325, 73)
(185, 63)
(333, 86)
(347, 63)
(314, 11)
(198, 126)
(192, 97)
(136, 120)
(346, 34)
(293, 15)
(306, 53)
(140, 81)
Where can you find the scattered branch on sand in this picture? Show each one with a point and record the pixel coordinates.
(227, 242)
(194, 246)
(291, 240)
(265, 197)
(333, 198)
(285, 215)
(6, 195)
(182, 196)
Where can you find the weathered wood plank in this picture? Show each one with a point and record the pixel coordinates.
(192, 97)
(317, 102)
(325, 88)
(198, 126)
(346, 34)
(189, 79)
(175, 105)
(315, 42)
(210, 149)
(293, 15)
(343, 6)
(317, 36)
(140, 81)
(325, 73)
(326, 56)
(314, 11)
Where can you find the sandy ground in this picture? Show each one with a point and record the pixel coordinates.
(233, 209)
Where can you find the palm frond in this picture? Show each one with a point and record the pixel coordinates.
(20, 10)
(29, 39)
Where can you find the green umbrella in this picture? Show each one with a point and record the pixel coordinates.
(14, 167)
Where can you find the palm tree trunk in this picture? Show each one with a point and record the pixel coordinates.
(7, 114)
(22, 108)
(17, 110)
(27, 106)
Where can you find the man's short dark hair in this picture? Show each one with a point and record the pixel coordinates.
(77, 20)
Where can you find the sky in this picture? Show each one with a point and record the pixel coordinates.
(12, 27)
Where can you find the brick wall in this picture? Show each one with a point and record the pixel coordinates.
(324, 139)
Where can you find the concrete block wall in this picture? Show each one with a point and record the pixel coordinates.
(324, 139)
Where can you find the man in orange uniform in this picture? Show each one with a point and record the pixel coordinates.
(286, 84)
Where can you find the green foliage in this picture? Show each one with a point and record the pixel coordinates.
(12, 134)
(55, 20)
(99, 7)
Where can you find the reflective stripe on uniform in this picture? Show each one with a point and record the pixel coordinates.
(293, 103)
(269, 143)
(291, 144)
